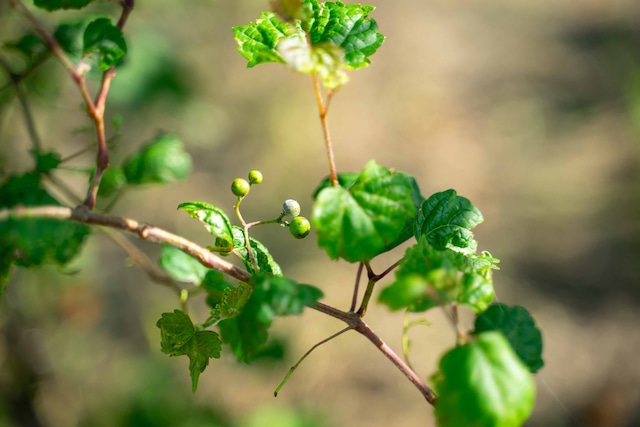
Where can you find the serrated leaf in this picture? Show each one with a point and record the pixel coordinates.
(257, 41)
(272, 296)
(232, 300)
(160, 161)
(264, 259)
(324, 60)
(215, 283)
(447, 219)
(518, 327)
(214, 220)
(181, 266)
(51, 5)
(428, 277)
(347, 26)
(179, 337)
(106, 40)
(483, 384)
(360, 222)
(35, 241)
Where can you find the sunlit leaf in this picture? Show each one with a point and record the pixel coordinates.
(214, 220)
(447, 219)
(106, 40)
(360, 222)
(483, 384)
(264, 259)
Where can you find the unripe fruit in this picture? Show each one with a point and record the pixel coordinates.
(299, 227)
(291, 208)
(240, 187)
(255, 177)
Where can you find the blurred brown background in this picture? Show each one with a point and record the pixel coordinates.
(530, 109)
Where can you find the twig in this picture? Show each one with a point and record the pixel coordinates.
(150, 233)
(354, 299)
(26, 110)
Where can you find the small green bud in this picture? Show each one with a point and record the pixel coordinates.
(300, 227)
(291, 208)
(255, 177)
(240, 187)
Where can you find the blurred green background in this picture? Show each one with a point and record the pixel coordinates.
(530, 109)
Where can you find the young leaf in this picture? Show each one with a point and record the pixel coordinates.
(483, 384)
(215, 284)
(360, 222)
(346, 26)
(446, 219)
(35, 241)
(105, 39)
(182, 266)
(61, 4)
(518, 327)
(214, 220)
(232, 300)
(179, 337)
(428, 277)
(272, 296)
(266, 263)
(257, 41)
(161, 161)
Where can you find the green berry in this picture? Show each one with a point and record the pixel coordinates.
(299, 227)
(240, 187)
(291, 208)
(255, 177)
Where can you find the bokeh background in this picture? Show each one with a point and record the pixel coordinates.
(530, 109)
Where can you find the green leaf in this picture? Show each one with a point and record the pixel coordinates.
(483, 384)
(266, 263)
(30, 45)
(272, 296)
(46, 162)
(232, 300)
(69, 37)
(518, 327)
(428, 277)
(113, 181)
(61, 4)
(360, 222)
(324, 60)
(257, 41)
(214, 220)
(179, 337)
(346, 26)
(215, 283)
(106, 40)
(447, 219)
(161, 161)
(36, 241)
(181, 266)
(345, 180)
(6, 264)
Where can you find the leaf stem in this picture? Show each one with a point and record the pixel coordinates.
(323, 110)
(245, 232)
(294, 367)
(354, 299)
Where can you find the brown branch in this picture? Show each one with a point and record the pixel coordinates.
(323, 110)
(147, 232)
(150, 233)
